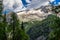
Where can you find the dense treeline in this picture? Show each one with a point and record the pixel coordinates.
(47, 28)
(55, 26)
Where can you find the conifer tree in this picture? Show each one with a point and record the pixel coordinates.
(2, 24)
(18, 33)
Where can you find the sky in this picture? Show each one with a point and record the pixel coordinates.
(20, 5)
(55, 2)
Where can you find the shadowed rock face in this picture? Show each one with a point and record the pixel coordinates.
(1, 0)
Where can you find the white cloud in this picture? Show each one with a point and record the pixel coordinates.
(37, 3)
(59, 3)
(51, 0)
(19, 3)
(19, 9)
(28, 1)
(8, 4)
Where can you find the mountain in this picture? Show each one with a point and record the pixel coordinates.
(40, 30)
(34, 14)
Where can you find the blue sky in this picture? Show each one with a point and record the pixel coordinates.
(25, 3)
(55, 2)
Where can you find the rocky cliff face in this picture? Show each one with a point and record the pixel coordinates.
(34, 14)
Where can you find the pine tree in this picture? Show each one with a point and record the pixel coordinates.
(2, 24)
(18, 33)
(22, 26)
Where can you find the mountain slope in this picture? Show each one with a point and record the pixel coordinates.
(41, 30)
